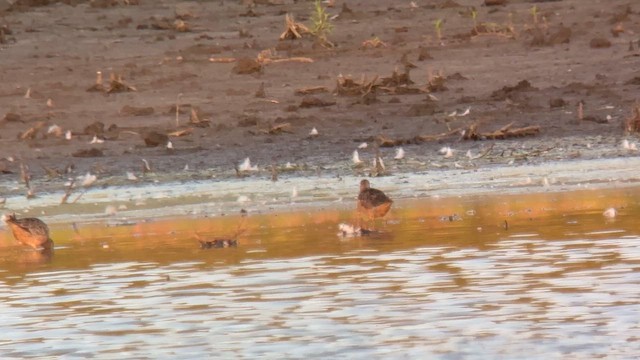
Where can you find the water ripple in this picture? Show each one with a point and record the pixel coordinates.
(494, 296)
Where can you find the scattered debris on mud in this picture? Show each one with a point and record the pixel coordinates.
(251, 79)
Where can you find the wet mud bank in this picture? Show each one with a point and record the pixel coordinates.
(214, 198)
(151, 108)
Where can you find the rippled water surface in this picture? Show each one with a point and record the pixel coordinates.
(541, 276)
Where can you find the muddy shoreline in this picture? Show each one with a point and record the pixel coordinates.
(426, 93)
(118, 204)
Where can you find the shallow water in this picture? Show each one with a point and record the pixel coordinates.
(523, 276)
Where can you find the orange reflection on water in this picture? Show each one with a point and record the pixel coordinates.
(560, 272)
(464, 221)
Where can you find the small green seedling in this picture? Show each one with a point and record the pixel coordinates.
(534, 13)
(321, 22)
(438, 26)
(474, 16)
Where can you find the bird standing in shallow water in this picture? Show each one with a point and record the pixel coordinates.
(218, 243)
(372, 203)
(30, 231)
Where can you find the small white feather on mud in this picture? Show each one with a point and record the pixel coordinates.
(446, 151)
(246, 166)
(87, 180)
(356, 157)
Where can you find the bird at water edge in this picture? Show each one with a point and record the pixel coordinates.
(29, 231)
(372, 203)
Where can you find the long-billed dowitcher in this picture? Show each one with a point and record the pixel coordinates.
(29, 231)
(372, 203)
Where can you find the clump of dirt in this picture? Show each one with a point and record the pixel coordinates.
(247, 66)
(136, 111)
(314, 101)
(511, 92)
(557, 36)
(599, 43)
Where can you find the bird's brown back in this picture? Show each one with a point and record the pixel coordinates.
(371, 198)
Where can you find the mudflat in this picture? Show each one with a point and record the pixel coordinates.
(190, 90)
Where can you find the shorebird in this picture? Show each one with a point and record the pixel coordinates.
(30, 231)
(218, 243)
(372, 203)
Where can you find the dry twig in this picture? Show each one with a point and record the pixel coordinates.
(278, 129)
(505, 132)
(181, 132)
(293, 29)
(116, 84)
(68, 191)
(632, 123)
(25, 176)
(311, 90)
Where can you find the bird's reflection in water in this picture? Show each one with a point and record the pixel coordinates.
(29, 257)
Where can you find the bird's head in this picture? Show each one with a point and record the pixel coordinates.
(364, 184)
(8, 217)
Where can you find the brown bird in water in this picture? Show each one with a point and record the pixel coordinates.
(372, 203)
(218, 243)
(30, 231)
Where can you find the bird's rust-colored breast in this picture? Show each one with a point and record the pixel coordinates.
(374, 203)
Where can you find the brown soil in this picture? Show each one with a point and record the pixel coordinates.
(388, 80)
